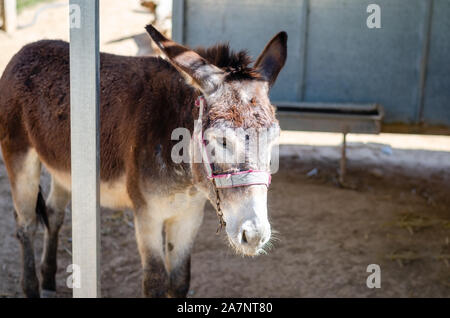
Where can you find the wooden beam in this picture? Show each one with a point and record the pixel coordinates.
(84, 125)
(9, 15)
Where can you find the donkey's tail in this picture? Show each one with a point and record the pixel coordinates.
(41, 209)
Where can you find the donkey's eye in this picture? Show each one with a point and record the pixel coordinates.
(224, 142)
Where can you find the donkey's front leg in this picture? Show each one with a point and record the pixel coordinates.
(56, 205)
(149, 235)
(180, 234)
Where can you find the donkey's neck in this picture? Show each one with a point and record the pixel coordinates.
(168, 103)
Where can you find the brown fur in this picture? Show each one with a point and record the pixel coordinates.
(135, 92)
(235, 64)
(141, 93)
(256, 113)
(155, 275)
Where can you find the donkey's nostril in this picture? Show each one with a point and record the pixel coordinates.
(244, 237)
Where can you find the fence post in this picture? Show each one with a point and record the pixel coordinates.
(84, 125)
(9, 15)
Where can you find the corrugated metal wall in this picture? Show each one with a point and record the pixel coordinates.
(333, 56)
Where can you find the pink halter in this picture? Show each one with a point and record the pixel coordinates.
(226, 180)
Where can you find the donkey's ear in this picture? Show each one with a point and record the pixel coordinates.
(205, 76)
(272, 59)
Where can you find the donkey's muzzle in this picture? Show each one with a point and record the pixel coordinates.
(253, 237)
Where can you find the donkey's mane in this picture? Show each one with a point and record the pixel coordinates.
(235, 64)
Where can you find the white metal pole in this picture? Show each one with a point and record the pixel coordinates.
(9, 15)
(84, 125)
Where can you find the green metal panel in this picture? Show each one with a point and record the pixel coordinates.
(333, 57)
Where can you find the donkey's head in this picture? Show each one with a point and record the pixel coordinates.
(239, 128)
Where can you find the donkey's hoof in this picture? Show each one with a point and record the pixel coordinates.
(48, 293)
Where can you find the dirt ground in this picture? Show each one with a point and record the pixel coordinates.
(394, 216)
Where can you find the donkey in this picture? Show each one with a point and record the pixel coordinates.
(143, 99)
